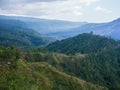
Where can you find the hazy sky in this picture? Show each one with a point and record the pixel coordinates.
(72, 10)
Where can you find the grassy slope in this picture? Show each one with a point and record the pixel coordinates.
(21, 75)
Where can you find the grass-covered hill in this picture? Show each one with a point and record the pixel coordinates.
(102, 68)
(16, 73)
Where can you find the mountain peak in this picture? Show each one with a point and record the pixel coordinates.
(116, 20)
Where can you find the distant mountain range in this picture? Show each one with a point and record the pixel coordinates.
(110, 29)
(16, 32)
(45, 26)
(58, 29)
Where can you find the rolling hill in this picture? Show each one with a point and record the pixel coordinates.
(83, 43)
(45, 26)
(16, 32)
(19, 74)
(93, 58)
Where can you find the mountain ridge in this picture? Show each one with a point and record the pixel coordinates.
(59, 29)
(16, 32)
(94, 58)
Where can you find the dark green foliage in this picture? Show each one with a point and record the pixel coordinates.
(10, 53)
(99, 65)
(101, 61)
(83, 43)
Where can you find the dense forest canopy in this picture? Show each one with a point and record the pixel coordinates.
(83, 43)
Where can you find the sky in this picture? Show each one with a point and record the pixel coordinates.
(70, 10)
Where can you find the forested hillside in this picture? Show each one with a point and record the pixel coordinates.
(101, 67)
(18, 72)
(83, 43)
(100, 62)
(15, 32)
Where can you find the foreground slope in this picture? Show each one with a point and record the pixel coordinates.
(21, 75)
(99, 68)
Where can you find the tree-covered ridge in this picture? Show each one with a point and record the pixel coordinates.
(101, 62)
(16, 73)
(16, 32)
(83, 43)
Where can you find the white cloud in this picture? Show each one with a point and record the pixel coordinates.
(101, 9)
(57, 9)
(88, 2)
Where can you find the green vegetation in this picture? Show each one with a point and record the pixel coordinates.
(102, 68)
(83, 43)
(98, 63)
(19, 74)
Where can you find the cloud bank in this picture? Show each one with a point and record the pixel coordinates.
(73, 10)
